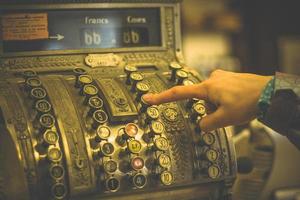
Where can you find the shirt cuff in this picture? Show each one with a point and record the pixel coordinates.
(265, 99)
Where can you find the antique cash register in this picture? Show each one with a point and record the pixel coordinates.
(73, 123)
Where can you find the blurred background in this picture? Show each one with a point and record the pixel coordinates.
(256, 36)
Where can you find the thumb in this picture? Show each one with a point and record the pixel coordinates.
(214, 120)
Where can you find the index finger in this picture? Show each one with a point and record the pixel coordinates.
(177, 93)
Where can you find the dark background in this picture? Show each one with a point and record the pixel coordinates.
(253, 30)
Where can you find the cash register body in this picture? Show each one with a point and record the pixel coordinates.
(73, 124)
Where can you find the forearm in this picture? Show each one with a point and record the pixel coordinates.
(283, 112)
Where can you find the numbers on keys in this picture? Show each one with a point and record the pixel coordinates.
(212, 155)
(164, 160)
(208, 138)
(161, 144)
(166, 178)
(213, 171)
(134, 146)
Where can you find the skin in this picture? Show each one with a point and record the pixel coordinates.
(233, 97)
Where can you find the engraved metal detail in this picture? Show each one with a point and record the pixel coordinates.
(80, 178)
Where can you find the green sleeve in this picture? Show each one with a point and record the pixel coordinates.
(279, 106)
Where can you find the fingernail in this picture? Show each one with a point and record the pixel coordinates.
(147, 97)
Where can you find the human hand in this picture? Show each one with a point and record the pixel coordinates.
(235, 96)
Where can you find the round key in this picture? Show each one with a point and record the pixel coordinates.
(47, 121)
(95, 103)
(152, 113)
(213, 171)
(181, 75)
(137, 163)
(29, 73)
(188, 82)
(144, 105)
(170, 114)
(211, 155)
(38, 93)
(99, 117)
(89, 91)
(59, 191)
(50, 138)
(164, 160)
(166, 178)
(102, 133)
(161, 144)
(110, 166)
(139, 180)
(79, 71)
(134, 146)
(207, 139)
(198, 110)
(174, 67)
(83, 80)
(128, 69)
(135, 77)
(107, 149)
(141, 88)
(33, 83)
(156, 128)
(54, 154)
(112, 184)
(130, 130)
(57, 171)
(43, 106)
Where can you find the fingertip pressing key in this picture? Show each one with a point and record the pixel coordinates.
(148, 98)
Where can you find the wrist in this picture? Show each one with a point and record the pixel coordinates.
(265, 98)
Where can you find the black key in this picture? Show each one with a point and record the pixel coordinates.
(112, 184)
(139, 180)
(107, 149)
(100, 117)
(57, 172)
(110, 166)
(59, 191)
(29, 73)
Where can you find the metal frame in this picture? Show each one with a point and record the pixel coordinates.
(22, 8)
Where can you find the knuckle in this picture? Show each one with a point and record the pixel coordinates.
(216, 72)
(206, 85)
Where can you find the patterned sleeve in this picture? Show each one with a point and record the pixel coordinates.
(283, 113)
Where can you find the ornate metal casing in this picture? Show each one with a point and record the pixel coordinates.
(74, 125)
